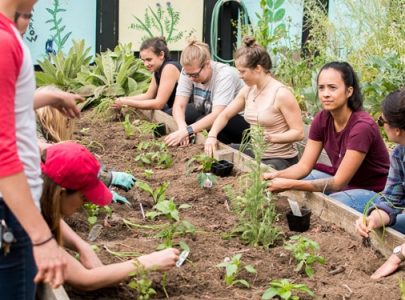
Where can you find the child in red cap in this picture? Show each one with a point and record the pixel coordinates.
(71, 177)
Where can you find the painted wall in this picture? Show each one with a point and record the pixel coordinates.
(174, 19)
(74, 19)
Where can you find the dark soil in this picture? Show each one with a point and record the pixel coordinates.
(199, 278)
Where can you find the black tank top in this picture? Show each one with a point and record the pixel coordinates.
(158, 74)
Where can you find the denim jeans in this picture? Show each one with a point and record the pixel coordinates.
(17, 268)
(355, 198)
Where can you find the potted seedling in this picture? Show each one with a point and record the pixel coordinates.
(222, 168)
(298, 218)
(159, 130)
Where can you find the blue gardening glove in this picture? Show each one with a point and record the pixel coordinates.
(117, 198)
(123, 180)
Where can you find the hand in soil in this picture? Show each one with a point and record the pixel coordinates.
(123, 180)
(210, 145)
(362, 228)
(387, 268)
(179, 137)
(119, 199)
(160, 260)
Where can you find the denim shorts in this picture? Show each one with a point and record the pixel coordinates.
(17, 268)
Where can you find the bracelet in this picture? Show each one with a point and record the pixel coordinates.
(43, 242)
(212, 136)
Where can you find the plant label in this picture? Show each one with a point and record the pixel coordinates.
(94, 232)
(295, 208)
(183, 256)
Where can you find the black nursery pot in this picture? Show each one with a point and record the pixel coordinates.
(222, 168)
(160, 130)
(297, 223)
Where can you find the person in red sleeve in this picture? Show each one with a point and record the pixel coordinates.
(33, 254)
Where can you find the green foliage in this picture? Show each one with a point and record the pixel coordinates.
(146, 128)
(57, 28)
(157, 154)
(284, 290)
(206, 180)
(232, 269)
(168, 209)
(64, 69)
(160, 22)
(141, 282)
(402, 289)
(205, 162)
(158, 194)
(304, 251)
(128, 127)
(253, 203)
(148, 173)
(92, 210)
(172, 230)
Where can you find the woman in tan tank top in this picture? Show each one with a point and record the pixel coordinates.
(265, 102)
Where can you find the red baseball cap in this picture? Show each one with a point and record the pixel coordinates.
(73, 167)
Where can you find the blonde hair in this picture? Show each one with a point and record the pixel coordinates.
(54, 126)
(195, 51)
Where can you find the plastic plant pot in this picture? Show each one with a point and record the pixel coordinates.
(159, 130)
(299, 223)
(222, 168)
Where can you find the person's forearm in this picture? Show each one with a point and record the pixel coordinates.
(43, 98)
(379, 217)
(71, 239)
(143, 104)
(17, 195)
(294, 172)
(179, 115)
(289, 136)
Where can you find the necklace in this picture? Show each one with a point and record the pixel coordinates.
(261, 90)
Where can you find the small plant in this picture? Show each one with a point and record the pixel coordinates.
(206, 180)
(158, 194)
(284, 290)
(232, 269)
(141, 282)
(203, 160)
(148, 173)
(128, 127)
(304, 251)
(172, 230)
(158, 154)
(168, 209)
(92, 210)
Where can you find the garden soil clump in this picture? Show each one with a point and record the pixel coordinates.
(199, 278)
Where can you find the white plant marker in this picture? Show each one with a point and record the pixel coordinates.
(94, 232)
(142, 211)
(295, 208)
(183, 256)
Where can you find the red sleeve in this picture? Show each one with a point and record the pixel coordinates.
(10, 64)
(362, 136)
(316, 133)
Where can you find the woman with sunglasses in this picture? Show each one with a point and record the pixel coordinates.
(212, 86)
(70, 174)
(266, 102)
(166, 72)
(388, 208)
(350, 137)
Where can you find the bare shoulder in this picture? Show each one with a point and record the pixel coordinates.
(284, 96)
(171, 70)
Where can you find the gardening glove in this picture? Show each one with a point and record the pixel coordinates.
(122, 180)
(117, 198)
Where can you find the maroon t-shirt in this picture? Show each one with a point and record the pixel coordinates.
(361, 134)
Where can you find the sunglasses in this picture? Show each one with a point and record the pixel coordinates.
(194, 75)
(381, 121)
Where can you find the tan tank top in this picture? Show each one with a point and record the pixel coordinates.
(262, 112)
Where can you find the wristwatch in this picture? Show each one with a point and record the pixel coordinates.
(398, 252)
(190, 130)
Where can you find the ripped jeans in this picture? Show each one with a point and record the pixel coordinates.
(355, 198)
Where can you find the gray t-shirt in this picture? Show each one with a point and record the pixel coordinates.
(221, 89)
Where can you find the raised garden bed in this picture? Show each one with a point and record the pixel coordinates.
(199, 278)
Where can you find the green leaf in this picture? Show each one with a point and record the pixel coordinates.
(269, 293)
(278, 3)
(183, 245)
(250, 269)
(231, 270)
(241, 281)
(270, 3)
(133, 285)
(152, 214)
(279, 15)
(92, 220)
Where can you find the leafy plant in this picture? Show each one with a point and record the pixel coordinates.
(205, 162)
(92, 210)
(158, 194)
(61, 70)
(304, 251)
(148, 173)
(232, 269)
(128, 127)
(141, 282)
(206, 180)
(172, 230)
(168, 209)
(284, 289)
(253, 203)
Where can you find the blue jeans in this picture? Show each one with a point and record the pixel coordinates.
(17, 268)
(355, 198)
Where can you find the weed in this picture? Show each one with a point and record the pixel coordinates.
(284, 290)
(304, 251)
(232, 269)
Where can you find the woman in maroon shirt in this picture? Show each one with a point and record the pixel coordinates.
(350, 137)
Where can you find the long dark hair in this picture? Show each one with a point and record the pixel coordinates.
(355, 101)
(393, 108)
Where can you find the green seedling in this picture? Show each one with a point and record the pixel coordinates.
(173, 230)
(232, 269)
(168, 209)
(283, 289)
(148, 173)
(92, 210)
(158, 194)
(128, 127)
(203, 160)
(122, 254)
(206, 180)
(146, 128)
(304, 251)
(141, 282)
